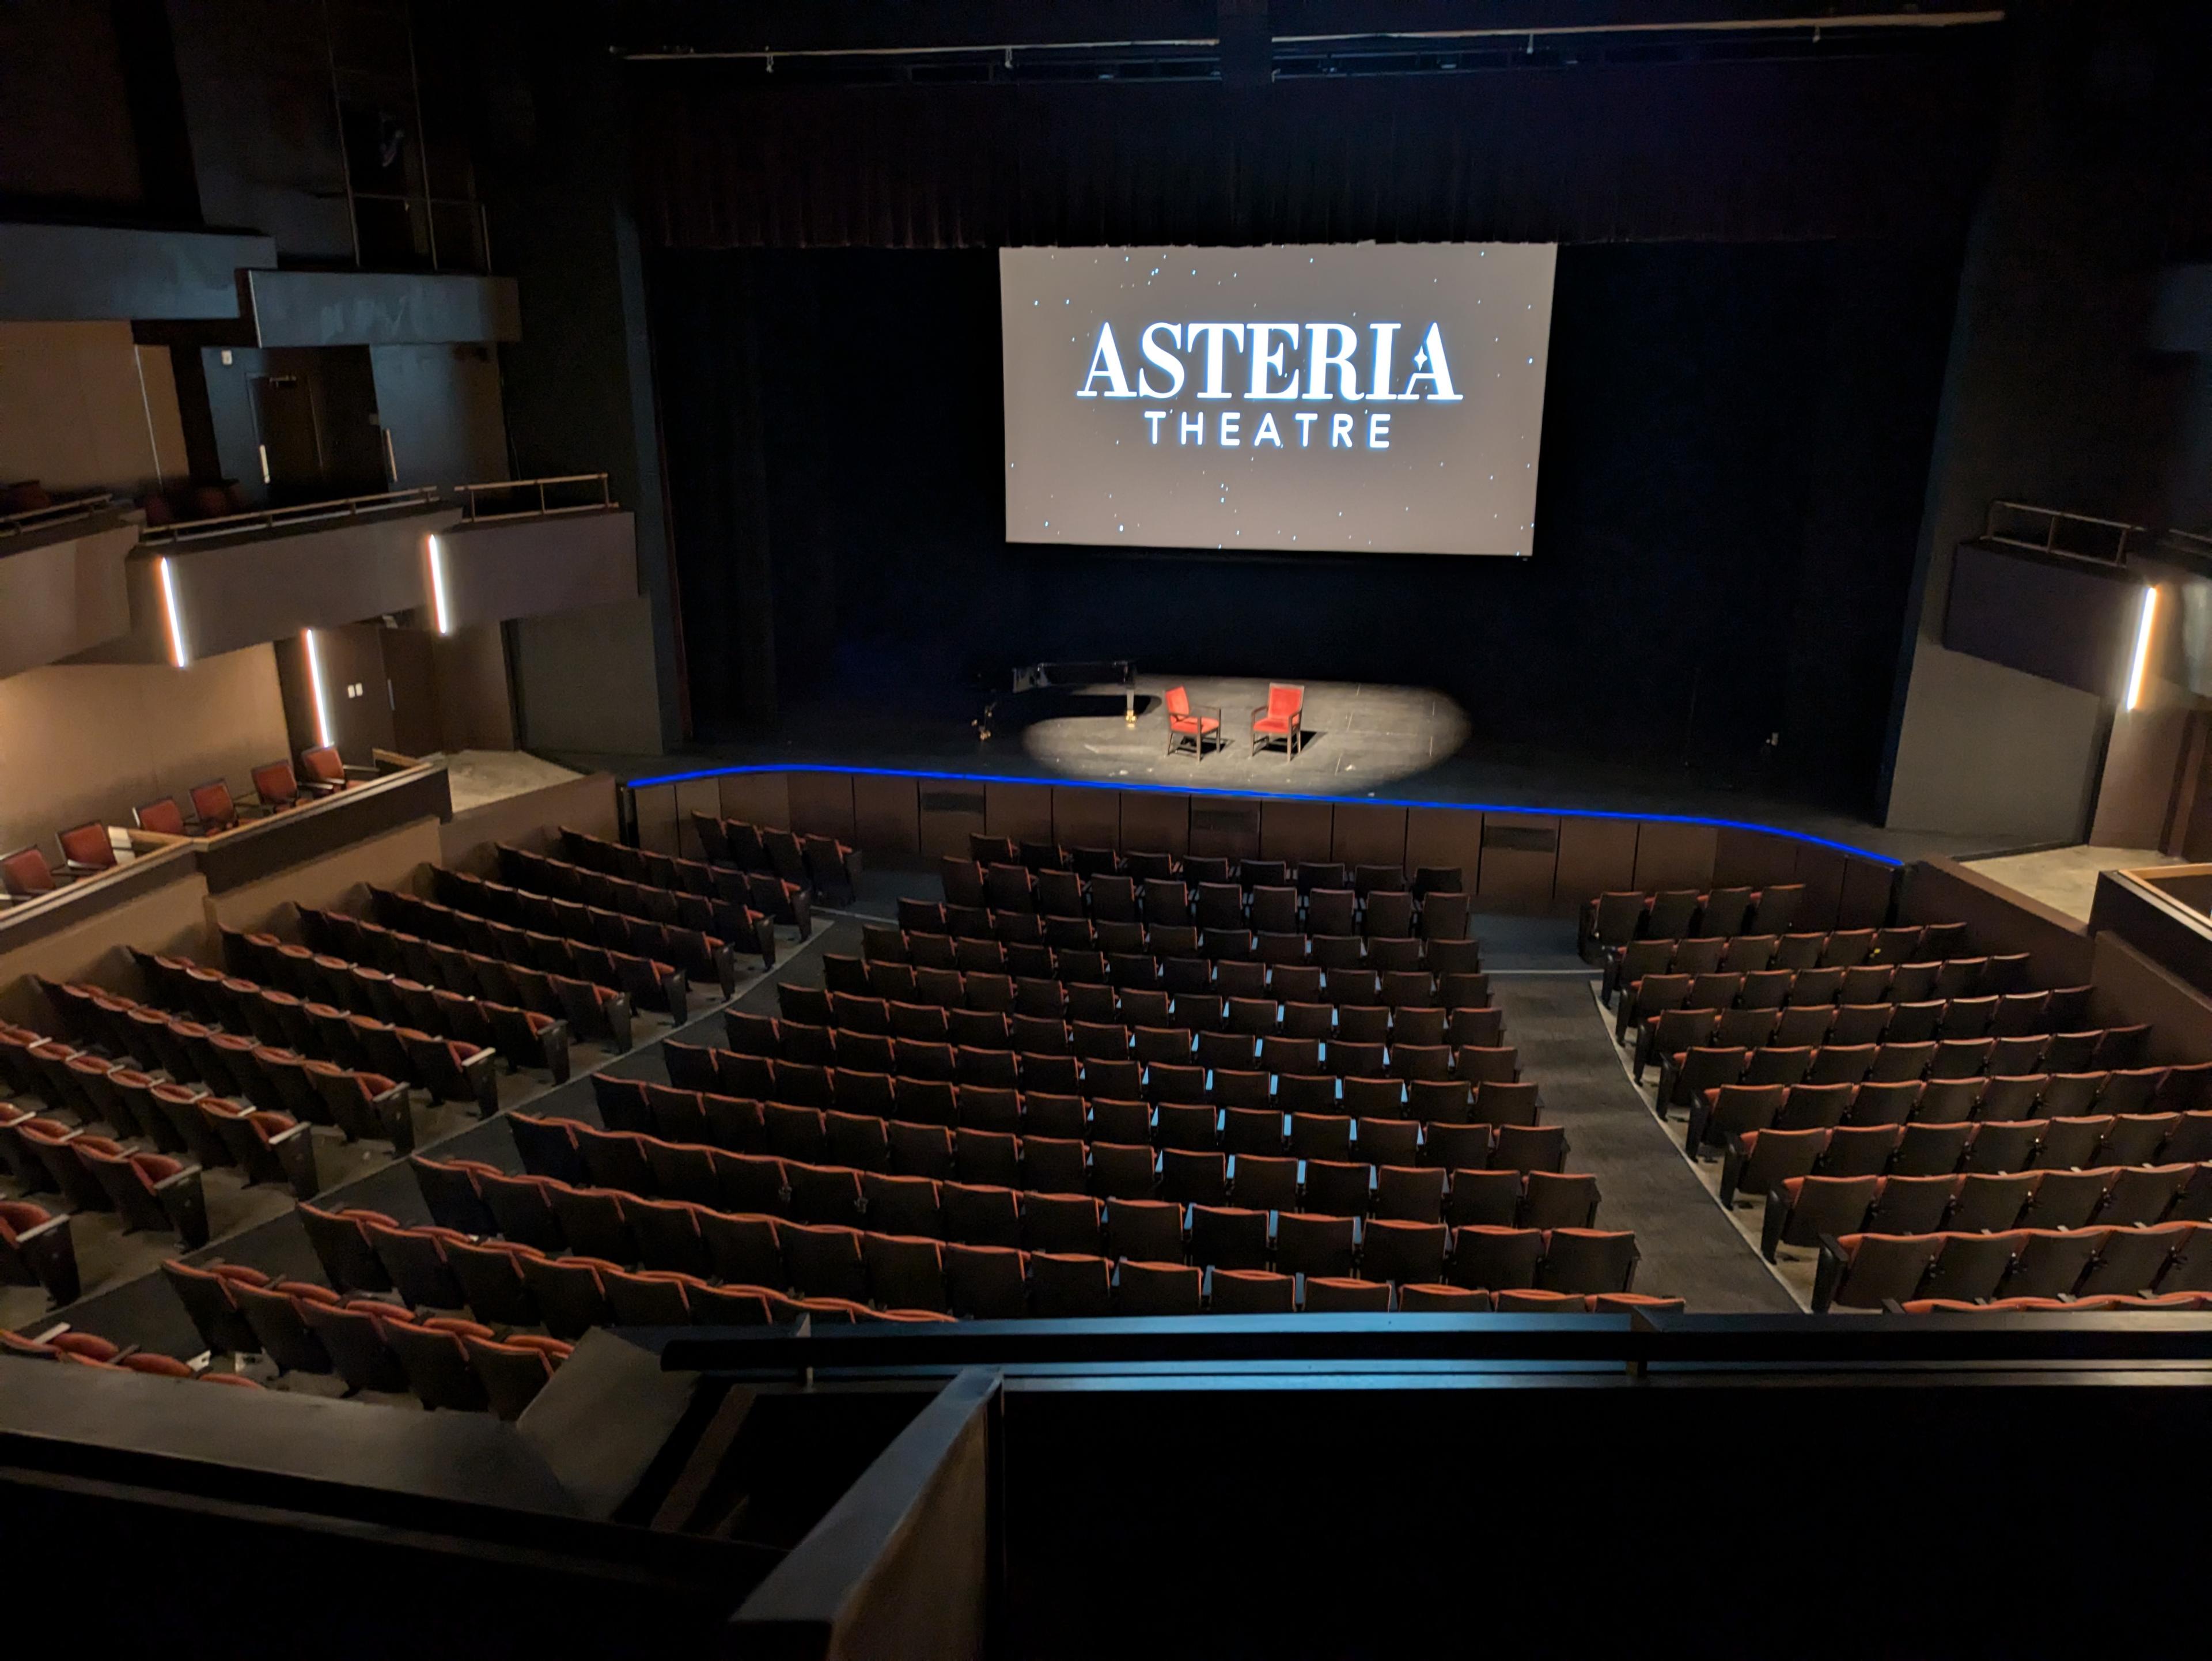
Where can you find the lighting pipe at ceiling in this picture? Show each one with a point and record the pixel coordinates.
(1899, 19)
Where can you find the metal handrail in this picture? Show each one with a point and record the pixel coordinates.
(2053, 519)
(472, 513)
(55, 513)
(305, 513)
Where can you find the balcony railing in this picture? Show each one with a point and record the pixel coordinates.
(535, 498)
(2055, 530)
(55, 513)
(295, 517)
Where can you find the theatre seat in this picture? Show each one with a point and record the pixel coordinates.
(1191, 728)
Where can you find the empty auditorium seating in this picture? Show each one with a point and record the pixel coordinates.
(591, 956)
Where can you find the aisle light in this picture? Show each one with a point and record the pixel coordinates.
(438, 587)
(2142, 663)
(315, 684)
(172, 616)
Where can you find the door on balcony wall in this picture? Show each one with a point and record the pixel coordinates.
(289, 437)
(440, 410)
(410, 665)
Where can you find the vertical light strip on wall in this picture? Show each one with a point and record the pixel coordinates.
(315, 682)
(438, 587)
(2142, 664)
(178, 655)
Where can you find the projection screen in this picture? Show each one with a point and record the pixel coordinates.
(1333, 398)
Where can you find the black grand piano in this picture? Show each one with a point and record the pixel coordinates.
(1043, 691)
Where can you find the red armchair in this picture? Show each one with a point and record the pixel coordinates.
(1188, 725)
(1280, 717)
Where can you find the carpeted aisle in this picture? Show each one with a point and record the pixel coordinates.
(1690, 1250)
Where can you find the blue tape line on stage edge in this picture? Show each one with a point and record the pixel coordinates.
(1265, 795)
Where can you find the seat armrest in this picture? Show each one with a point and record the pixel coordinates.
(183, 1197)
(1828, 1273)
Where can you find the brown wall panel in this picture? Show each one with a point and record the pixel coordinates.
(1752, 858)
(2127, 986)
(887, 821)
(1445, 836)
(1519, 862)
(656, 817)
(1023, 812)
(1998, 919)
(952, 810)
(1225, 826)
(1295, 830)
(1155, 821)
(757, 798)
(1369, 834)
(91, 741)
(530, 820)
(1086, 817)
(1674, 855)
(1864, 902)
(171, 918)
(822, 805)
(1595, 855)
(694, 796)
(338, 881)
(1821, 871)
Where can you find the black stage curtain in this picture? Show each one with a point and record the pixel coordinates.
(1874, 146)
(1734, 453)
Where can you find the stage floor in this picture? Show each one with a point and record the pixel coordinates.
(1357, 737)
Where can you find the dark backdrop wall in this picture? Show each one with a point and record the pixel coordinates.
(1733, 460)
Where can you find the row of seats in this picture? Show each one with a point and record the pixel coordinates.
(372, 1344)
(1799, 996)
(1936, 952)
(1859, 1270)
(87, 1349)
(449, 1068)
(1479, 1084)
(278, 1082)
(815, 1164)
(276, 1078)
(624, 1228)
(1709, 1025)
(650, 983)
(1045, 1017)
(702, 941)
(931, 936)
(322, 986)
(89, 849)
(2110, 1051)
(1617, 917)
(1283, 909)
(1800, 1210)
(704, 957)
(542, 884)
(601, 1014)
(1349, 1166)
(1192, 869)
(785, 896)
(1977, 1172)
(98, 1173)
(1186, 993)
(1055, 1095)
(2171, 1302)
(1950, 1105)
(826, 866)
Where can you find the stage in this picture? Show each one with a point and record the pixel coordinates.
(1390, 743)
(1357, 737)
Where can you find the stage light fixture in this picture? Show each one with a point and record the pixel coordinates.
(2139, 667)
(172, 616)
